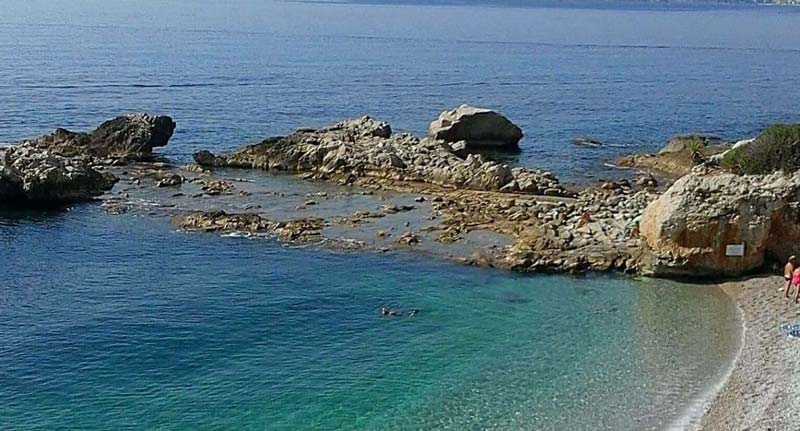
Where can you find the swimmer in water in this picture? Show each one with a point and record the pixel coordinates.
(388, 311)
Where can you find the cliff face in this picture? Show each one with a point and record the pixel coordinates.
(721, 224)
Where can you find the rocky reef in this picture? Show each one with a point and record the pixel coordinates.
(298, 230)
(366, 148)
(435, 196)
(66, 166)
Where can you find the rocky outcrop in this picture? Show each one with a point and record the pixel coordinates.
(365, 148)
(688, 229)
(300, 230)
(679, 156)
(31, 176)
(689, 143)
(477, 127)
(597, 232)
(122, 139)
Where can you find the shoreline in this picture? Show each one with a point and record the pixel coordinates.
(695, 413)
(757, 392)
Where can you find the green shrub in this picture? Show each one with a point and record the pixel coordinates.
(776, 148)
(695, 145)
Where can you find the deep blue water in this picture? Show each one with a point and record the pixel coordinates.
(123, 323)
(232, 74)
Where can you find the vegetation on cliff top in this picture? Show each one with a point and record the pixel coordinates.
(776, 148)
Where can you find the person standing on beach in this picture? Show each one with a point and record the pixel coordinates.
(788, 273)
(796, 284)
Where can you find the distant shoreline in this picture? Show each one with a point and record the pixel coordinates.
(677, 5)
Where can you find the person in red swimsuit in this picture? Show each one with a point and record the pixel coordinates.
(788, 271)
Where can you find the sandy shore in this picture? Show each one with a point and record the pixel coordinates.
(763, 390)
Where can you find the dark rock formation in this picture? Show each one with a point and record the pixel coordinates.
(125, 138)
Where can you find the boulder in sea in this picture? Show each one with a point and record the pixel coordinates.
(478, 127)
(721, 225)
(126, 138)
(30, 176)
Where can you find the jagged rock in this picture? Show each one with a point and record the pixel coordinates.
(687, 230)
(365, 148)
(172, 180)
(597, 232)
(300, 230)
(216, 187)
(408, 238)
(127, 138)
(647, 181)
(478, 127)
(31, 176)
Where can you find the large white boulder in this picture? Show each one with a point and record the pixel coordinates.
(478, 127)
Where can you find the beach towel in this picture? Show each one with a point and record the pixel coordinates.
(790, 329)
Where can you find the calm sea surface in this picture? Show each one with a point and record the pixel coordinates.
(123, 323)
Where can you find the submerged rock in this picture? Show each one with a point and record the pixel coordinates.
(31, 176)
(299, 230)
(688, 230)
(365, 148)
(125, 138)
(585, 141)
(477, 127)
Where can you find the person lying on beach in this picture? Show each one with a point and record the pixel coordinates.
(788, 271)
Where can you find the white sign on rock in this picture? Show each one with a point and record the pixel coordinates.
(734, 250)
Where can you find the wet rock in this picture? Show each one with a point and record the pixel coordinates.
(408, 238)
(171, 180)
(584, 141)
(299, 230)
(216, 187)
(394, 209)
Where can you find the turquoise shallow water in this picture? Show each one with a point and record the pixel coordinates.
(120, 322)
(123, 323)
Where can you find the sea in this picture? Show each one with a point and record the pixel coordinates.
(122, 322)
